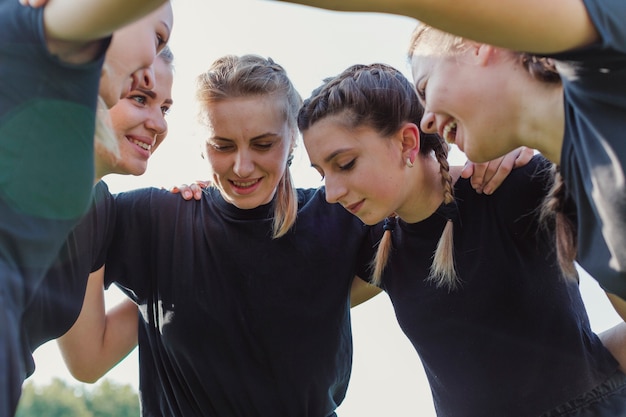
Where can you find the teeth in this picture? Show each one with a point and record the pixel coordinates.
(447, 131)
(141, 144)
(244, 184)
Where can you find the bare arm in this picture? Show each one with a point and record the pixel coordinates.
(99, 340)
(362, 291)
(527, 25)
(614, 339)
(89, 20)
(618, 304)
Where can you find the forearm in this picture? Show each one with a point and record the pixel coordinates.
(614, 339)
(529, 25)
(88, 20)
(99, 339)
(362, 291)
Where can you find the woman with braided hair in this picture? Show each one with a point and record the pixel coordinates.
(473, 279)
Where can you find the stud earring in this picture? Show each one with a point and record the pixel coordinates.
(409, 163)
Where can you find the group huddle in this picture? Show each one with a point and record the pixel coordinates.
(239, 299)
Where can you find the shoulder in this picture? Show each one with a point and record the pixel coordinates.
(16, 20)
(608, 18)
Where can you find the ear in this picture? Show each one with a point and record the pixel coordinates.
(483, 53)
(410, 141)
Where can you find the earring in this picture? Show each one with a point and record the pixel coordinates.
(409, 163)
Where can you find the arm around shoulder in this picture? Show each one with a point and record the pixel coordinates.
(361, 291)
(99, 340)
(89, 20)
(525, 25)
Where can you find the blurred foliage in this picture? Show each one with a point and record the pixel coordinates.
(59, 399)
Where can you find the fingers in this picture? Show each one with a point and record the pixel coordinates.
(196, 191)
(33, 3)
(482, 174)
(193, 190)
(486, 177)
(468, 170)
(525, 155)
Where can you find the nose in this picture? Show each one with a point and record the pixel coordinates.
(334, 189)
(244, 165)
(145, 76)
(156, 122)
(428, 123)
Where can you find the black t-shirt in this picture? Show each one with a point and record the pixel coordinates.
(233, 322)
(514, 339)
(56, 304)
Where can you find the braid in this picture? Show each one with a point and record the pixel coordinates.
(442, 270)
(383, 252)
(559, 211)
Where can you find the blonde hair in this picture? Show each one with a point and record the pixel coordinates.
(556, 211)
(251, 75)
(380, 97)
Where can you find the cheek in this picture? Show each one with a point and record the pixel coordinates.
(218, 163)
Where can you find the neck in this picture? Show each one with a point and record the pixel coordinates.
(543, 125)
(425, 191)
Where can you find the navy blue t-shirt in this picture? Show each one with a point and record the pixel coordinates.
(56, 304)
(594, 146)
(233, 322)
(47, 124)
(514, 339)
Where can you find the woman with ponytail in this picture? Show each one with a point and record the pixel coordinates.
(474, 279)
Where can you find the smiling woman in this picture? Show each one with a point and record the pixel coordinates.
(293, 36)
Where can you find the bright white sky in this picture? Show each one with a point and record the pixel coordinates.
(311, 44)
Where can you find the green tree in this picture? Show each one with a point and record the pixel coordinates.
(58, 399)
(109, 399)
(54, 400)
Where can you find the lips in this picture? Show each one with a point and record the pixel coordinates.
(244, 184)
(354, 208)
(142, 144)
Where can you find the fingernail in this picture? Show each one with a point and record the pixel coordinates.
(187, 194)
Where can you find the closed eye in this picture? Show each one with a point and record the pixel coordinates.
(348, 166)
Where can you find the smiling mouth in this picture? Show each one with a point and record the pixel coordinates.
(141, 144)
(449, 132)
(244, 184)
(353, 208)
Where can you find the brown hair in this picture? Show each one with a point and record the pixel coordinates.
(539, 67)
(558, 210)
(380, 97)
(251, 75)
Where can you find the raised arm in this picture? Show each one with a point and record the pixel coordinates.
(527, 25)
(99, 339)
(88, 20)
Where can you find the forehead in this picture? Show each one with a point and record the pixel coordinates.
(333, 133)
(423, 65)
(163, 73)
(245, 117)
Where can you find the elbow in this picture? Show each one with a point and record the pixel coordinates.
(87, 375)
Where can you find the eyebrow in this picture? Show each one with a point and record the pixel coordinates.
(152, 95)
(149, 93)
(261, 136)
(331, 156)
(334, 154)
